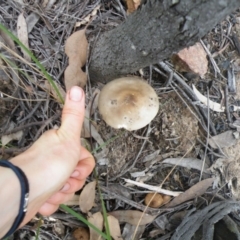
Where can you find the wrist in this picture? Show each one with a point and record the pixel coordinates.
(10, 199)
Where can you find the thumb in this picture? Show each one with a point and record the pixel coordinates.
(73, 113)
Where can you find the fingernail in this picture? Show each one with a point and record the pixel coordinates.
(65, 187)
(75, 174)
(76, 94)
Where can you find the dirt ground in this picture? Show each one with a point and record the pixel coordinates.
(152, 155)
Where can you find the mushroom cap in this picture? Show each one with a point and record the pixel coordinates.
(128, 102)
(154, 200)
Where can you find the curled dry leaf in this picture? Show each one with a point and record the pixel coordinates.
(114, 227)
(193, 192)
(22, 33)
(191, 59)
(133, 217)
(76, 50)
(97, 220)
(87, 197)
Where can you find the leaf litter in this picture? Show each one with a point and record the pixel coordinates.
(180, 124)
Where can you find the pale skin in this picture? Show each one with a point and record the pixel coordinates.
(56, 167)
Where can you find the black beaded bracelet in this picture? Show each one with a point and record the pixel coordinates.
(24, 195)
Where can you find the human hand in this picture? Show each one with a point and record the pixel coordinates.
(56, 165)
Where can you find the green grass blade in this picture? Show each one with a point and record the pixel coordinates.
(40, 66)
(81, 218)
(14, 66)
(104, 215)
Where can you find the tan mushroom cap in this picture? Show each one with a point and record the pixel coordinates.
(128, 102)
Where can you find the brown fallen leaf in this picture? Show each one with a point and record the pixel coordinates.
(22, 33)
(133, 217)
(81, 233)
(87, 197)
(97, 220)
(193, 192)
(73, 201)
(76, 50)
(114, 227)
(191, 59)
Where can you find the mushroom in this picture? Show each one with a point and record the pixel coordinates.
(154, 200)
(128, 102)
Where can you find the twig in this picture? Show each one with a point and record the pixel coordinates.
(208, 135)
(153, 188)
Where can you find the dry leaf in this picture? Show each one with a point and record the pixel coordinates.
(76, 50)
(73, 201)
(7, 41)
(22, 33)
(225, 139)
(81, 233)
(193, 192)
(191, 59)
(133, 217)
(194, 163)
(97, 220)
(87, 197)
(114, 227)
